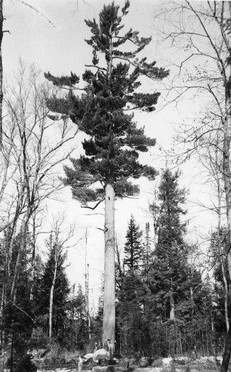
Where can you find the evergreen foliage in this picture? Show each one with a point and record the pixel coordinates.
(133, 248)
(76, 323)
(114, 142)
(97, 321)
(163, 305)
(132, 329)
(61, 291)
(143, 324)
(18, 312)
(113, 138)
(169, 267)
(134, 337)
(178, 297)
(164, 308)
(171, 228)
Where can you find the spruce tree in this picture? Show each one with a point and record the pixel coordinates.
(176, 288)
(172, 199)
(114, 140)
(18, 313)
(133, 248)
(76, 322)
(169, 267)
(131, 327)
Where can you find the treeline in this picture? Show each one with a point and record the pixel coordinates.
(42, 310)
(30, 161)
(46, 312)
(164, 306)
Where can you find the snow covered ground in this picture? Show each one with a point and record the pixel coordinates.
(201, 364)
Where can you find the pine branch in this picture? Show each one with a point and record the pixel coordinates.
(97, 67)
(96, 205)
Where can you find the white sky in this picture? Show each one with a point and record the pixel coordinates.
(53, 38)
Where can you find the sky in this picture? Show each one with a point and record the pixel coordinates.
(51, 34)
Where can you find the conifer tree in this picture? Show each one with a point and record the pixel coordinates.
(133, 248)
(53, 282)
(177, 291)
(170, 256)
(18, 316)
(114, 140)
(131, 326)
(147, 251)
(83, 336)
(76, 322)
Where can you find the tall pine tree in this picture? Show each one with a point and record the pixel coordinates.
(114, 140)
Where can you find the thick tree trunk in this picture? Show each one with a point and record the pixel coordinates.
(227, 182)
(109, 268)
(221, 251)
(227, 187)
(227, 177)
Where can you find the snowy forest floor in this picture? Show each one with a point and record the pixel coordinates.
(203, 364)
(180, 364)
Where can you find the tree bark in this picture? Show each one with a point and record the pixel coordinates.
(226, 169)
(109, 268)
(221, 251)
(52, 296)
(227, 187)
(227, 352)
(22, 247)
(226, 294)
(172, 307)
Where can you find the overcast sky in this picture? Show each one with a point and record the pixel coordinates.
(51, 33)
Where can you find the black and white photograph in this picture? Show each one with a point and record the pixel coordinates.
(115, 186)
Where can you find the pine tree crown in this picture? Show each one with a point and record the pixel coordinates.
(103, 111)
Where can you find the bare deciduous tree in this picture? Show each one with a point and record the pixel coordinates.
(201, 31)
(34, 149)
(38, 148)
